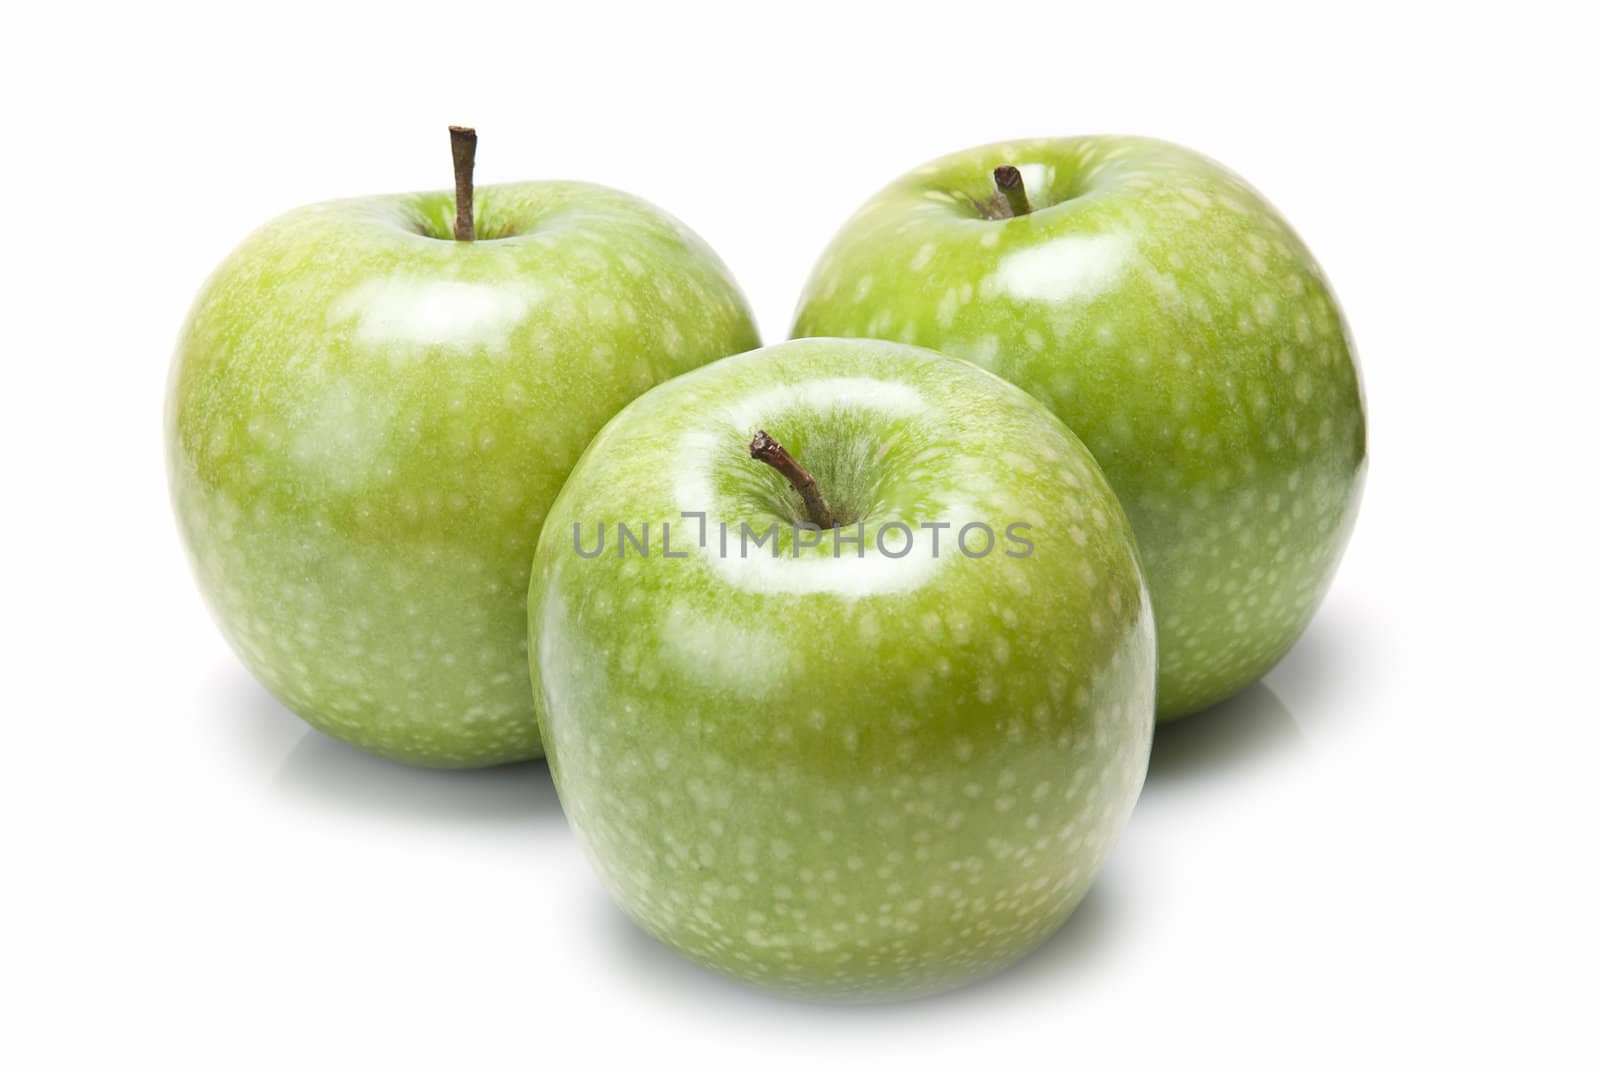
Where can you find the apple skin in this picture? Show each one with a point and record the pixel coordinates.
(1171, 318)
(844, 779)
(367, 421)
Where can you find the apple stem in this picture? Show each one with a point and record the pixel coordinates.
(1008, 180)
(766, 449)
(463, 151)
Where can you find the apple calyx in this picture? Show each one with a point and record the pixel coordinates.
(463, 151)
(1013, 195)
(769, 451)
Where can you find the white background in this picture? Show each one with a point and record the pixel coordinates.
(1383, 855)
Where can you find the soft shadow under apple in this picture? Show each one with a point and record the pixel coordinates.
(254, 724)
(1237, 732)
(334, 774)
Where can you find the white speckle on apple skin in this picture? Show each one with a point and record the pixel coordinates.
(924, 781)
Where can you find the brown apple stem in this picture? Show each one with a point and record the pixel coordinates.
(1008, 180)
(463, 150)
(765, 448)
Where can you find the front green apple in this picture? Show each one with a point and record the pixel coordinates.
(368, 420)
(1163, 310)
(875, 760)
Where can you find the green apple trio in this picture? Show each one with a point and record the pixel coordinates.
(800, 744)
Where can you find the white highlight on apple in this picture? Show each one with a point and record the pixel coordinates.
(340, 436)
(733, 654)
(435, 312)
(1078, 265)
(1038, 177)
(847, 392)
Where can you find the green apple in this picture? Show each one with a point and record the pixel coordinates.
(1173, 320)
(872, 760)
(368, 420)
